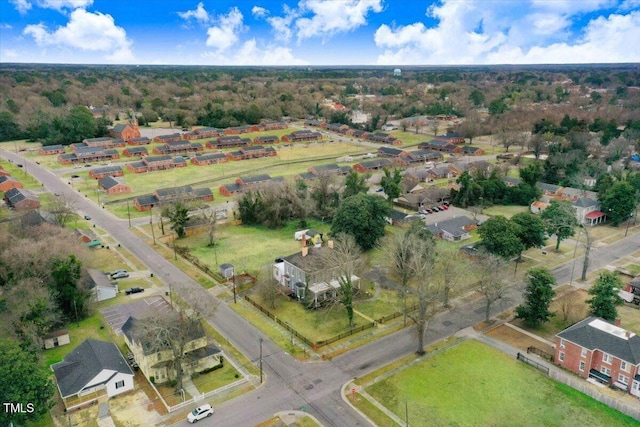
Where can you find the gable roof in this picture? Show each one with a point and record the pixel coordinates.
(585, 202)
(453, 226)
(109, 182)
(106, 169)
(85, 362)
(596, 333)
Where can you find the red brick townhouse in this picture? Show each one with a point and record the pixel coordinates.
(372, 165)
(272, 125)
(50, 150)
(301, 136)
(601, 351)
(105, 171)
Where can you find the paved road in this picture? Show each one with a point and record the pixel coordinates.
(290, 384)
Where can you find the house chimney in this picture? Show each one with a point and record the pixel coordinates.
(330, 244)
(617, 321)
(305, 251)
(628, 334)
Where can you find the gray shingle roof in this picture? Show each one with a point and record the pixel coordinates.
(585, 202)
(85, 362)
(595, 333)
(453, 226)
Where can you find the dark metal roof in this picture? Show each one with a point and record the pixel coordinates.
(147, 200)
(86, 362)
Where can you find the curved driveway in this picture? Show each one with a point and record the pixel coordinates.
(290, 384)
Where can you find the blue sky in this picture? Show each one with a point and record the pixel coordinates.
(320, 32)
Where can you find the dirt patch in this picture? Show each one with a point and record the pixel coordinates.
(518, 339)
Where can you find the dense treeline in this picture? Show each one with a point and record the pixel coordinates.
(37, 101)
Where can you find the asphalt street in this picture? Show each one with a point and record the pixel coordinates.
(290, 384)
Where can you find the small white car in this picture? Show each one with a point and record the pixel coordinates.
(199, 413)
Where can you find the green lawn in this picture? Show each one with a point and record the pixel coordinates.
(248, 248)
(474, 385)
(93, 327)
(506, 211)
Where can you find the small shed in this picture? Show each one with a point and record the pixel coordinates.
(56, 339)
(227, 270)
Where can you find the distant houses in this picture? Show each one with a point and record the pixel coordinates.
(165, 196)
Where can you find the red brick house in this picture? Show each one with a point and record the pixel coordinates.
(228, 142)
(50, 150)
(8, 182)
(172, 137)
(126, 132)
(21, 200)
(170, 195)
(383, 138)
(598, 350)
(272, 125)
(113, 185)
(301, 136)
(236, 130)
(267, 139)
(315, 123)
(372, 165)
(229, 190)
(207, 132)
(209, 159)
(104, 142)
(467, 150)
(104, 171)
(135, 151)
(143, 140)
(450, 138)
(153, 163)
(178, 147)
(438, 145)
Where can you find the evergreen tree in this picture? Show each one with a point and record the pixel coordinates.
(605, 298)
(537, 297)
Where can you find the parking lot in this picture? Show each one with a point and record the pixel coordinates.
(118, 314)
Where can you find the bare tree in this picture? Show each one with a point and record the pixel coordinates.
(62, 209)
(346, 261)
(450, 268)
(173, 331)
(492, 280)
(423, 289)
(433, 127)
(399, 250)
(567, 304)
(268, 288)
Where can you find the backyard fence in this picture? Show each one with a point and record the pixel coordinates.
(541, 353)
(307, 341)
(521, 357)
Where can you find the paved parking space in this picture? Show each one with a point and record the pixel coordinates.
(118, 314)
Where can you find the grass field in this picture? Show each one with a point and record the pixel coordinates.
(474, 385)
(506, 211)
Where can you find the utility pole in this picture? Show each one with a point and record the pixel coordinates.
(234, 285)
(129, 214)
(260, 360)
(587, 249)
(153, 233)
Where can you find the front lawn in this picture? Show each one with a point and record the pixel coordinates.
(474, 385)
(505, 211)
(91, 327)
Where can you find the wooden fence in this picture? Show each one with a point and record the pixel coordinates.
(307, 341)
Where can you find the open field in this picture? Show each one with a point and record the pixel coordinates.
(471, 384)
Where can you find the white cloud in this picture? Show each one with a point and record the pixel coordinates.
(283, 25)
(22, 6)
(64, 4)
(630, 5)
(259, 12)
(249, 53)
(534, 31)
(9, 53)
(330, 17)
(95, 32)
(225, 34)
(199, 14)
(606, 39)
(6, 26)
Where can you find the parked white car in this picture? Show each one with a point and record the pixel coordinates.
(199, 413)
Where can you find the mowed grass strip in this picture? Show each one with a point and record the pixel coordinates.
(474, 385)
